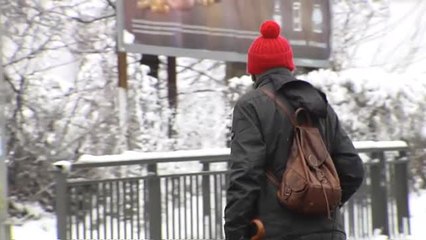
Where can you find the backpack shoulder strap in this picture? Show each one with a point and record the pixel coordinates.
(269, 173)
(279, 103)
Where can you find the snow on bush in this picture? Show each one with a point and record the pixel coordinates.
(373, 104)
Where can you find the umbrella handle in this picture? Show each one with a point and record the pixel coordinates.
(260, 229)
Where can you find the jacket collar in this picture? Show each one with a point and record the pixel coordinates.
(276, 76)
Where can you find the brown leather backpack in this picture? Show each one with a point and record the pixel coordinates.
(310, 184)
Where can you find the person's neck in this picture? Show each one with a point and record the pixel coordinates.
(272, 70)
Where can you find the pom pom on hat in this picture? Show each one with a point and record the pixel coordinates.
(270, 29)
(270, 50)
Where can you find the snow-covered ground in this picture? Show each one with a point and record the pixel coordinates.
(418, 215)
(44, 228)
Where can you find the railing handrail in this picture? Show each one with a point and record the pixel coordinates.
(373, 146)
(201, 155)
(135, 158)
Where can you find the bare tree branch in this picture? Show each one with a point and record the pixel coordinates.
(93, 20)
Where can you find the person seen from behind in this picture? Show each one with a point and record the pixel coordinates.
(262, 139)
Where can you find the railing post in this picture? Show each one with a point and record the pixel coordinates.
(206, 202)
(379, 203)
(206, 190)
(154, 202)
(402, 192)
(61, 201)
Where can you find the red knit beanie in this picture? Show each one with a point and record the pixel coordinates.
(269, 50)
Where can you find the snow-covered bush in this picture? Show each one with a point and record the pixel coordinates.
(373, 104)
(377, 105)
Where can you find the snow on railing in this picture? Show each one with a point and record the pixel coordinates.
(203, 155)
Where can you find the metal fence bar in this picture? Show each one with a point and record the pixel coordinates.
(166, 209)
(104, 209)
(124, 207)
(132, 209)
(146, 209)
(138, 213)
(215, 201)
(197, 199)
(173, 208)
(117, 206)
(83, 207)
(98, 217)
(70, 215)
(111, 209)
(191, 204)
(90, 206)
(76, 216)
(222, 198)
(179, 209)
(185, 208)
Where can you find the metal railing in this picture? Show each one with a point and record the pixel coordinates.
(160, 204)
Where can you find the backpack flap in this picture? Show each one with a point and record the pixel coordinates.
(315, 152)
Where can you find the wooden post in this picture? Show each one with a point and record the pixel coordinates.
(122, 69)
(122, 105)
(172, 92)
(172, 85)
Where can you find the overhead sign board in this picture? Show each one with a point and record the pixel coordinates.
(223, 29)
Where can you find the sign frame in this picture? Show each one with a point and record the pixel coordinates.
(219, 55)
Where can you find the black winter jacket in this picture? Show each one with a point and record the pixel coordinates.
(261, 140)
